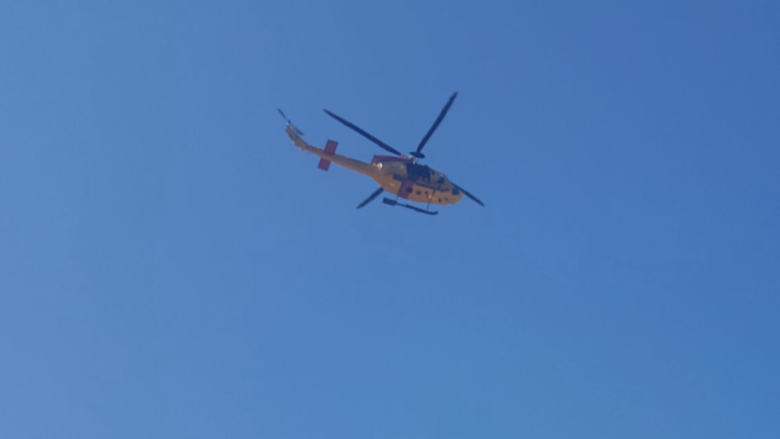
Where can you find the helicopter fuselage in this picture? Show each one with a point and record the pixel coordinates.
(400, 176)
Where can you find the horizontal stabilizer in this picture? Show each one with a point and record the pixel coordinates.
(330, 148)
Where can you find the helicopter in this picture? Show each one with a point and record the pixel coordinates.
(398, 174)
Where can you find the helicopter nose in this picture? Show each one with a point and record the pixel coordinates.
(457, 195)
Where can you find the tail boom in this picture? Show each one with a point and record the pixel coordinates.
(329, 155)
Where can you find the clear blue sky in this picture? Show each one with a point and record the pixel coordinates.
(170, 266)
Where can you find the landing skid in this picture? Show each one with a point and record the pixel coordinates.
(392, 202)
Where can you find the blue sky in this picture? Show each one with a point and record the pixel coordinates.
(171, 266)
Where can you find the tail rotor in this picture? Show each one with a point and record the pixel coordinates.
(289, 122)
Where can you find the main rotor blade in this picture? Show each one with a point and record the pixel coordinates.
(365, 134)
(466, 193)
(371, 197)
(435, 125)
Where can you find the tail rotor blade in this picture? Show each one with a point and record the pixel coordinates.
(289, 122)
(371, 197)
(443, 113)
(382, 144)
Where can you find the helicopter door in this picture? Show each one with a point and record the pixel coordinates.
(406, 189)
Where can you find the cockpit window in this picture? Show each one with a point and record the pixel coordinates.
(416, 171)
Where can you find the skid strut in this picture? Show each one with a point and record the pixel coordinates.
(392, 202)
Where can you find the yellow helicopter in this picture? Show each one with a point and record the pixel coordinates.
(399, 175)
